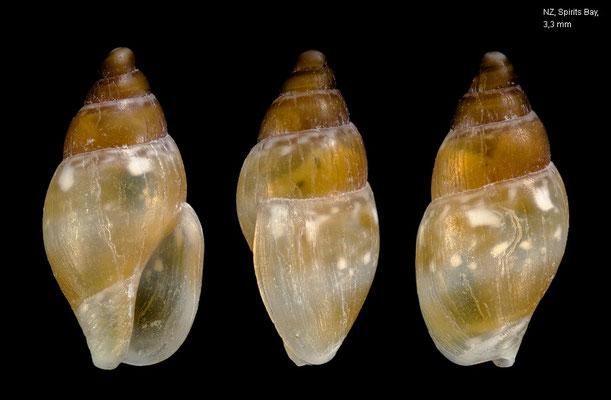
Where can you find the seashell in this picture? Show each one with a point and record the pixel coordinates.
(124, 246)
(308, 213)
(491, 240)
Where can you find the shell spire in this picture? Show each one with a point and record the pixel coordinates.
(494, 135)
(120, 109)
(308, 99)
(307, 146)
(119, 78)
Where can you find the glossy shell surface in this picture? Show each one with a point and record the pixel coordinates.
(309, 215)
(124, 246)
(492, 238)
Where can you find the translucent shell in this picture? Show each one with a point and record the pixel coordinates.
(494, 135)
(308, 214)
(491, 240)
(300, 165)
(124, 246)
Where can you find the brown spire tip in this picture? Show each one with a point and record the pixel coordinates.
(310, 59)
(120, 79)
(103, 122)
(308, 99)
(119, 61)
(494, 59)
(495, 72)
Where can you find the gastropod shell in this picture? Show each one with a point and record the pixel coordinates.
(124, 246)
(492, 238)
(308, 214)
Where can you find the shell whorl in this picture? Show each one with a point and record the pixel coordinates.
(119, 110)
(308, 100)
(494, 134)
(307, 146)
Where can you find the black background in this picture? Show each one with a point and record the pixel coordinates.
(402, 71)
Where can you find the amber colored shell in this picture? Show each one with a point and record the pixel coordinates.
(309, 116)
(124, 246)
(307, 146)
(492, 238)
(494, 135)
(119, 110)
(308, 100)
(309, 215)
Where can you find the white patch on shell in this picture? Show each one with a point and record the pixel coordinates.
(499, 249)
(139, 166)
(455, 260)
(558, 233)
(432, 266)
(542, 198)
(321, 219)
(131, 290)
(472, 266)
(158, 266)
(341, 263)
(467, 197)
(278, 217)
(367, 257)
(512, 193)
(444, 212)
(311, 229)
(123, 104)
(284, 150)
(483, 216)
(303, 139)
(155, 324)
(66, 178)
(525, 245)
